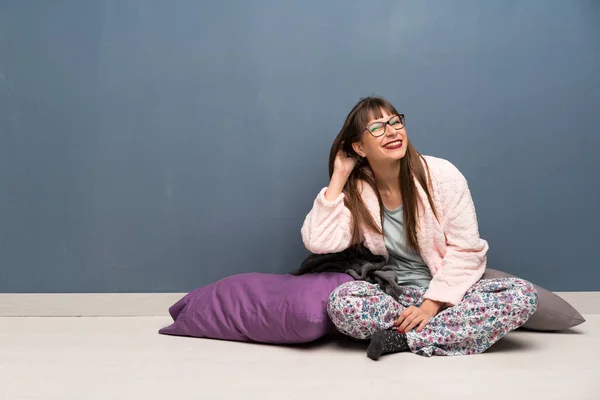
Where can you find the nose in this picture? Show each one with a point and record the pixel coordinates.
(389, 131)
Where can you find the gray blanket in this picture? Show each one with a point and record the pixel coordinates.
(357, 262)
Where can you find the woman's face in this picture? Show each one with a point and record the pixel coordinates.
(383, 140)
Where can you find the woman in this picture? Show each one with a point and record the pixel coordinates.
(417, 212)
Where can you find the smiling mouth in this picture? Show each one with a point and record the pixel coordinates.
(394, 145)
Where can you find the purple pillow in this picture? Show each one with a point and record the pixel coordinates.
(267, 308)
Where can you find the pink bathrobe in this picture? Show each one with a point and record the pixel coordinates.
(451, 248)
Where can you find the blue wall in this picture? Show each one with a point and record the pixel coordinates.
(159, 146)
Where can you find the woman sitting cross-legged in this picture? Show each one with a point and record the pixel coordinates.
(417, 212)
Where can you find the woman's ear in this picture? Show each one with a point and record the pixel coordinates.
(358, 149)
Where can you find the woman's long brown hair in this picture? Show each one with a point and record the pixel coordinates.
(412, 167)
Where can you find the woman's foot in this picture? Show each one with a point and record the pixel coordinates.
(386, 342)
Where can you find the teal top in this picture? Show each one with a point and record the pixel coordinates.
(408, 264)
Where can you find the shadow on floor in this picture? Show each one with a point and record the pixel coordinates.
(570, 331)
(508, 343)
(340, 342)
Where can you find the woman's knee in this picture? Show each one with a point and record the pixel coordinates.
(342, 295)
(341, 307)
(354, 288)
(359, 308)
(527, 294)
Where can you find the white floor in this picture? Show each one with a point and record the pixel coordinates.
(125, 358)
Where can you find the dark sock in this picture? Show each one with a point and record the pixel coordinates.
(385, 342)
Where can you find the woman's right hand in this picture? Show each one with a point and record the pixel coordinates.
(344, 164)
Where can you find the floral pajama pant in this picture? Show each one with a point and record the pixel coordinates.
(488, 311)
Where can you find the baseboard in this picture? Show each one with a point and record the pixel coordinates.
(86, 304)
(587, 303)
(157, 304)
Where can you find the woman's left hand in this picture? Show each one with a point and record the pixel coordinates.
(417, 316)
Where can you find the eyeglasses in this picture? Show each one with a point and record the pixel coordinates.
(377, 129)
